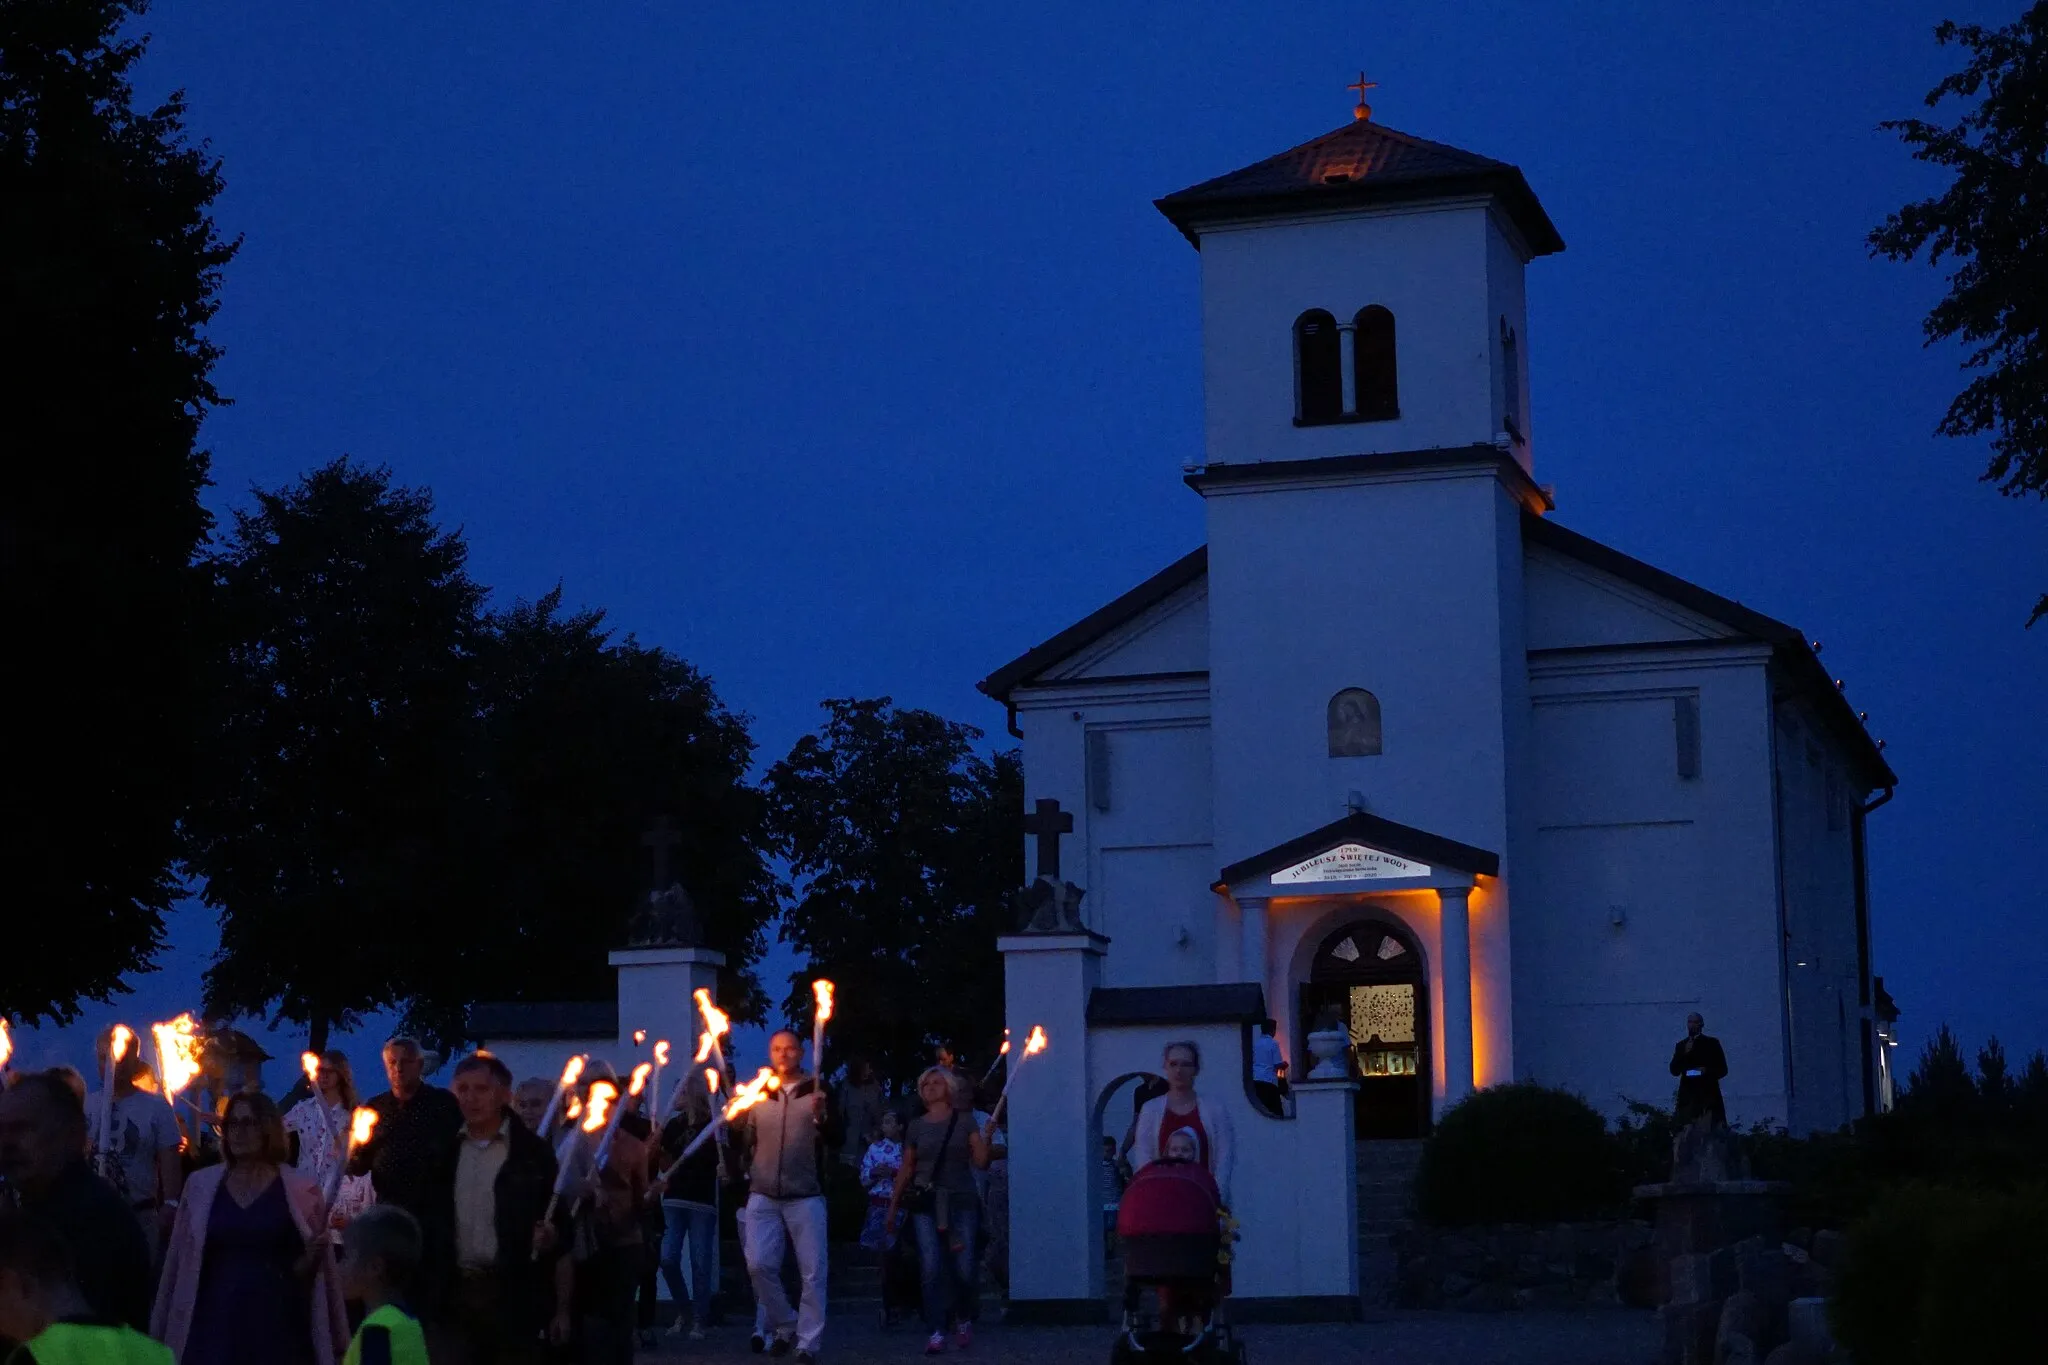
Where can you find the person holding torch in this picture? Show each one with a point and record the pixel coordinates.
(783, 1137)
(137, 1137)
(318, 1127)
(598, 1197)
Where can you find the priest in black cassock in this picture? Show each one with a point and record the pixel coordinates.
(1699, 1064)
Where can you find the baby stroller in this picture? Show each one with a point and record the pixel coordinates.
(1170, 1224)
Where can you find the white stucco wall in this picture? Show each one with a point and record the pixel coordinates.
(1686, 865)
(1147, 860)
(1822, 964)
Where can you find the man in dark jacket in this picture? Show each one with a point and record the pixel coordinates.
(407, 1147)
(42, 1157)
(1699, 1064)
(493, 1199)
(784, 1137)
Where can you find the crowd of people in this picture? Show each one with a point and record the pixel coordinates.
(456, 1231)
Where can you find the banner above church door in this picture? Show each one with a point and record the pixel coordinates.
(1349, 863)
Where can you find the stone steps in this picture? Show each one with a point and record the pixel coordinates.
(1385, 1176)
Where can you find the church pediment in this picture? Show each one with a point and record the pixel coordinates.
(1572, 605)
(1173, 637)
(1085, 644)
(1357, 852)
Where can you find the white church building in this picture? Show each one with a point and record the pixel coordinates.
(1395, 748)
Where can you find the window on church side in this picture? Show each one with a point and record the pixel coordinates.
(1354, 724)
(1318, 369)
(1511, 379)
(1374, 377)
(1685, 719)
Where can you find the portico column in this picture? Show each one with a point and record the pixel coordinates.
(1455, 922)
(1252, 938)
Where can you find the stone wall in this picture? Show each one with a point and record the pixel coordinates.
(1513, 1265)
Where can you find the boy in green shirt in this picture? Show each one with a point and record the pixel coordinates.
(44, 1317)
(380, 1254)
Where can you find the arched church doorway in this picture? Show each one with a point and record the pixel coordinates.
(1368, 979)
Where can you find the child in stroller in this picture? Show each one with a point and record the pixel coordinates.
(1171, 1226)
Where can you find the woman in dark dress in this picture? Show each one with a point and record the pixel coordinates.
(247, 1280)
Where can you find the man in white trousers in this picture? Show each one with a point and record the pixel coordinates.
(784, 1139)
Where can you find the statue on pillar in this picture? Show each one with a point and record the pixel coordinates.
(1050, 904)
(665, 916)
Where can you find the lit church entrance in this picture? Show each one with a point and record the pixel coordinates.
(1367, 978)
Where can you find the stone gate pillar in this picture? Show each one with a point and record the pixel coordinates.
(1055, 1217)
(655, 985)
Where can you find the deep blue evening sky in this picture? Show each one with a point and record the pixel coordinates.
(840, 349)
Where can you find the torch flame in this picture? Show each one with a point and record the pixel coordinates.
(639, 1081)
(822, 991)
(661, 1053)
(639, 1036)
(602, 1093)
(309, 1062)
(752, 1093)
(123, 1038)
(6, 1043)
(361, 1125)
(571, 1069)
(717, 1023)
(574, 1111)
(177, 1052)
(711, 1079)
(1035, 1044)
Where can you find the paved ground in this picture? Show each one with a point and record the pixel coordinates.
(1610, 1336)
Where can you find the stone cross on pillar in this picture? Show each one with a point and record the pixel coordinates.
(1048, 822)
(661, 838)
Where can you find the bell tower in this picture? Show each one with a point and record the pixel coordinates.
(1362, 294)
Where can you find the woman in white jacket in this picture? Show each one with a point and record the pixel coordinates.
(1180, 1109)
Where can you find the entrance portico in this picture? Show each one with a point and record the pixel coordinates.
(1282, 906)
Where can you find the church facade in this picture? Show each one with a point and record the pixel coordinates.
(1402, 752)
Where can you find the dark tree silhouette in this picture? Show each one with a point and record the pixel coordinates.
(904, 842)
(1990, 221)
(586, 740)
(109, 267)
(342, 783)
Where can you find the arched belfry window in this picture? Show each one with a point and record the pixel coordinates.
(1354, 723)
(1318, 368)
(1374, 377)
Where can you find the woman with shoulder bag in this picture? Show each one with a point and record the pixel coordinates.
(941, 1151)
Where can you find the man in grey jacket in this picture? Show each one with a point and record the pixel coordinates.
(784, 1138)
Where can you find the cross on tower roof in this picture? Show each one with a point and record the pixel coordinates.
(1048, 822)
(1361, 85)
(662, 837)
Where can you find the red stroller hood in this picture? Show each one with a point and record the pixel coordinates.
(1168, 1198)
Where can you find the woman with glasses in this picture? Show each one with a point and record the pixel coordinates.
(249, 1278)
